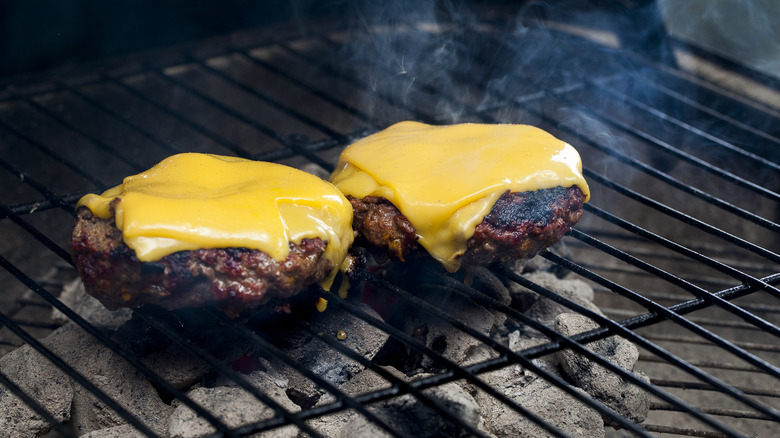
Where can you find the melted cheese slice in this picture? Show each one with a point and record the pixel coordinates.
(197, 201)
(446, 179)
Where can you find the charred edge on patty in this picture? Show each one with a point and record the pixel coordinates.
(234, 279)
(519, 225)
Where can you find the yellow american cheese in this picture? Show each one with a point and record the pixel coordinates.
(198, 201)
(445, 179)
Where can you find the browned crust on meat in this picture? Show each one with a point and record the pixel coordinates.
(519, 225)
(233, 279)
(379, 222)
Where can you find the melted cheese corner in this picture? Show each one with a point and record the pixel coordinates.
(197, 201)
(446, 179)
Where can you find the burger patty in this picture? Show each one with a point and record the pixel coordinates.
(518, 226)
(234, 279)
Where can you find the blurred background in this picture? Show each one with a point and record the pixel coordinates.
(43, 34)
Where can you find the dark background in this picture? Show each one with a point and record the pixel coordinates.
(37, 35)
(41, 34)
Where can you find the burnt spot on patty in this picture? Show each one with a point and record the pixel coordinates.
(519, 225)
(234, 279)
(534, 207)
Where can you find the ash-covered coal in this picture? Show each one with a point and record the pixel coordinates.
(519, 384)
(299, 336)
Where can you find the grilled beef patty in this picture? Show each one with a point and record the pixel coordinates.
(233, 279)
(519, 226)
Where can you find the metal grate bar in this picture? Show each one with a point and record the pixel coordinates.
(34, 206)
(611, 327)
(40, 237)
(693, 278)
(703, 364)
(677, 281)
(697, 319)
(689, 340)
(276, 104)
(715, 170)
(278, 154)
(107, 109)
(137, 166)
(96, 181)
(238, 150)
(461, 372)
(559, 342)
(52, 200)
(36, 324)
(736, 292)
(342, 74)
(89, 328)
(736, 67)
(703, 386)
(491, 303)
(719, 251)
(315, 91)
(734, 413)
(739, 275)
(343, 398)
(690, 305)
(400, 385)
(689, 128)
(241, 117)
(661, 176)
(75, 375)
(719, 115)
(687, 431)
(243, 382)
(665, 312)
(34, 405)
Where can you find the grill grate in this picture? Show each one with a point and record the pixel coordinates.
(678, 242)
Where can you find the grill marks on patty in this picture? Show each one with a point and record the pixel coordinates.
(234, 279)
(519, 225)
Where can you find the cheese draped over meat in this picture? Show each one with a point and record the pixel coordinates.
(446, 179)
(197, 201)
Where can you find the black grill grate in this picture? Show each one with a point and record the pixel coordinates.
(679, 241)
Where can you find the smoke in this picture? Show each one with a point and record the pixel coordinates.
(406, 57)
(458, 61)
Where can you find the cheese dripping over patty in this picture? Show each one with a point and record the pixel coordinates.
(196, 201)
(446, 179)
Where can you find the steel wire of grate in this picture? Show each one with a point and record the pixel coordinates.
(309, 151)
(562, 342)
